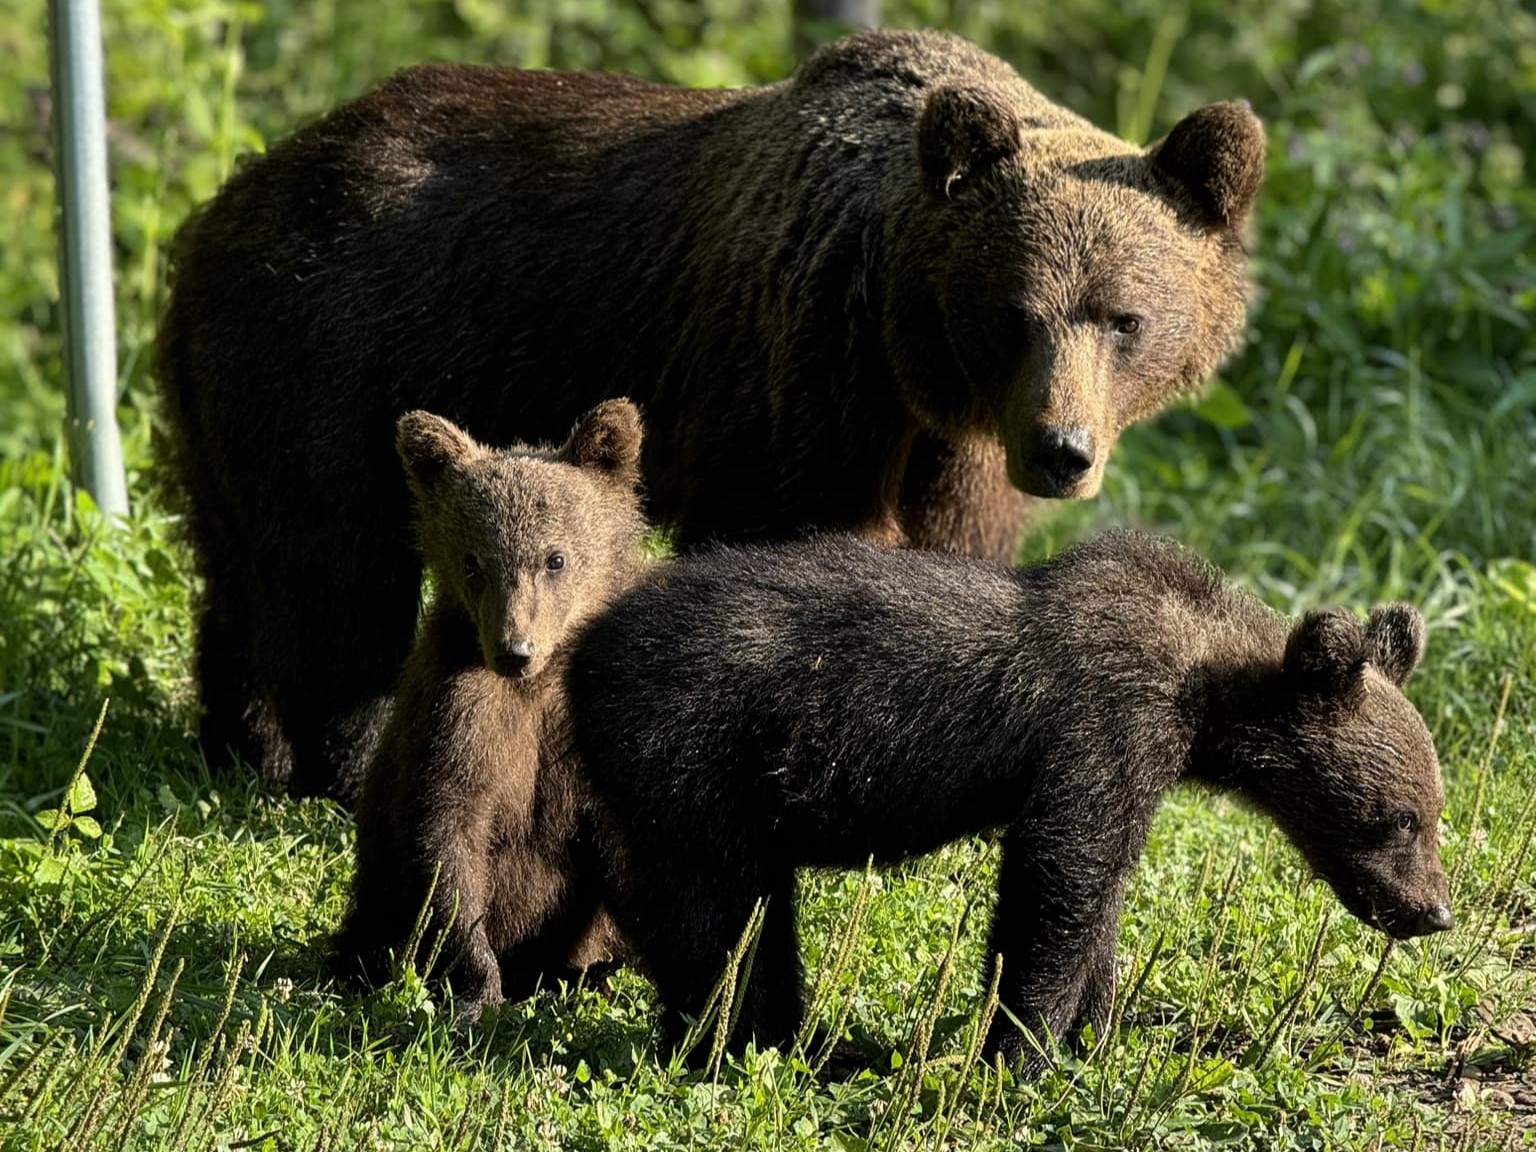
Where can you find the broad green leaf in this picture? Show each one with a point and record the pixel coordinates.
(52, 820)
(49, 870)
(82, 797)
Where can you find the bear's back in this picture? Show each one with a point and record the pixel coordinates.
(788, 689)
(916, 61)
(842, 588)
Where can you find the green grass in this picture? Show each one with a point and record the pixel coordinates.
(162, 942)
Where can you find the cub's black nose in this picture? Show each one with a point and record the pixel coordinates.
(512, 659)
(1436, 919)
(1065, 455)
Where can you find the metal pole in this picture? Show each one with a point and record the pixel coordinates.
(85, 252)
(817, 21)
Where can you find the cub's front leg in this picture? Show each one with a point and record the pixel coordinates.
(1096, 1005)
(1057, 913)
(458, 913)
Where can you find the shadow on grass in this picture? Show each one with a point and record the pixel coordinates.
(285, 992)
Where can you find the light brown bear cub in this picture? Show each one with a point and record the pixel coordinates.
(472, 782)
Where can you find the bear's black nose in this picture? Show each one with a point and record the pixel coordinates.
(1065, 455)
(1436, 919)
(512, 658)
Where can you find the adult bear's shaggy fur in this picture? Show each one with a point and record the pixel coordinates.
(890, 295)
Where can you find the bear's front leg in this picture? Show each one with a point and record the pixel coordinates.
(686, 917)
(1058, 900)
(955, 497)
(458, 912)
(1096, 1006)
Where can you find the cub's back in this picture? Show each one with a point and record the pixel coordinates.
(814, 693)
(832, 640)
(755, 612)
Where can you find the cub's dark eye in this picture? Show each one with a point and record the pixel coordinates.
(1126, 325)
(472, 570)
(555, 562)
(1407, 822)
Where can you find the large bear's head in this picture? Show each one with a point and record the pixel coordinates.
(1080, 283)
(528, 542)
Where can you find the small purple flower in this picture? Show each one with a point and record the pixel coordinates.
(1412, 74)
(1478, 137)
(1360, 55)
(1347, 242)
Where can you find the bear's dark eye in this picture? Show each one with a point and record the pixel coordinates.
(1407, 822)
(471, 569)
(1126, 325)
(555, 562)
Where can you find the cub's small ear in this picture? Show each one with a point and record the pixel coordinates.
(1395, 635)
(607, 439)
(1326, 651)
(963, 129)
(1216, 155)
(430, 445)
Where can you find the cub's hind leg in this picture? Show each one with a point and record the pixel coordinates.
(686, 919)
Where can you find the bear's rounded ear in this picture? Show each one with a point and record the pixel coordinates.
(963, 129)
(1326, 652)
(1395, 635)
(607, 439)
(429, 445)
(1216, 155)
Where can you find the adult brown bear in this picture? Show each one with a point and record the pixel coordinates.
(892, 294)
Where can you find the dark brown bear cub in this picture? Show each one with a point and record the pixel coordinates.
(754, 711)
(472, 781)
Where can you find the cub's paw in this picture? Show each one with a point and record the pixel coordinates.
(473, 1010)
(1027, 1055)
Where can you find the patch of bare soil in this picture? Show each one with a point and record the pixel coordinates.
(1490, 1078)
